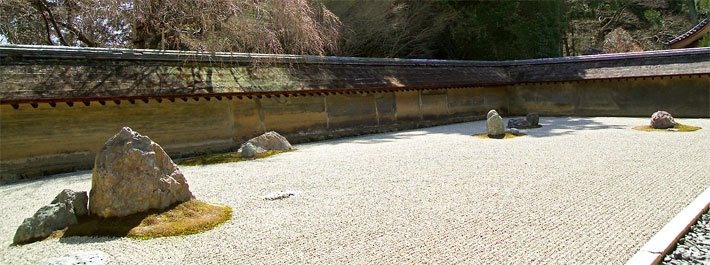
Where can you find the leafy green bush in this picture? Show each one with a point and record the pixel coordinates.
(705, 41)
(654, 17)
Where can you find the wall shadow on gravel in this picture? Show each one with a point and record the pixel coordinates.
(559, 126)
(551, 126)
(466, 128)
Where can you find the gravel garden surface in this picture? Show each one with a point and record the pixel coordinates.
(576, 191)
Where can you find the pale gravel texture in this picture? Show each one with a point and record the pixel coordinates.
(578, 190)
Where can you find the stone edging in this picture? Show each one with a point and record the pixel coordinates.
(663, 242)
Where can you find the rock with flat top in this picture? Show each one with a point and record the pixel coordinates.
(133, 174)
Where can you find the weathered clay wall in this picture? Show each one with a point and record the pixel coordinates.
(684, 96)
(47, 140)
(59, 105)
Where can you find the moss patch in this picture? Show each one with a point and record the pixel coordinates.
(677, 128)
(225, 158)
(186, 218)
(506, 136)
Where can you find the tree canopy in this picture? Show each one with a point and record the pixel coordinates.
(442, 29)
(484, 30)
(295, 26)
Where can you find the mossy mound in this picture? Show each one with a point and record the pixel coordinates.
(506, 136)
(225, 158)
(677, 128)
(186, 218)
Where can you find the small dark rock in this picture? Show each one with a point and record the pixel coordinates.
(518, 123)
(533, 119)
(45, 221)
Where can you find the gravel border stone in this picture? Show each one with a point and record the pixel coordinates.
(694, 247)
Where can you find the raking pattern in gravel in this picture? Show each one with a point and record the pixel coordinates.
(577, 191)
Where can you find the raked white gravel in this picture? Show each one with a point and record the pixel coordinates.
(578, 190)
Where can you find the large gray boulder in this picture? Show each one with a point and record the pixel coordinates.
(271, 141)
(494, 124)
(133, 174)
(662, 120)
(47, 219)
(77, 200)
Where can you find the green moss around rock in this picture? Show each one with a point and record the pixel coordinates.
(190, 217)
(506, 136)
(225, 158)
(677, 128)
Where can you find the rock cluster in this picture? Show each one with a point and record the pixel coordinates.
(531, 120)
(662, 120)
(270, 141)
(59, 214)
(494, 124)
(133, 174)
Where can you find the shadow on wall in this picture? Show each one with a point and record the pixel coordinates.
(551, 126)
